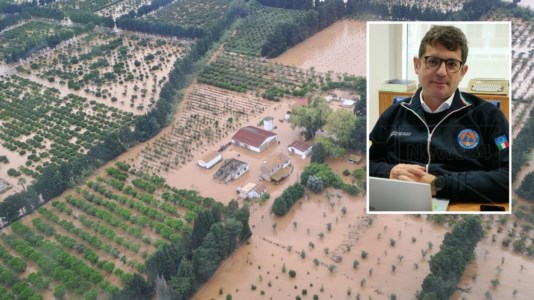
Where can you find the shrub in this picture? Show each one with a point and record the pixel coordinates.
(13, 173)
(292, 273)
(315, 183)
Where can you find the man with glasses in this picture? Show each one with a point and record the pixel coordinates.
(452, 140)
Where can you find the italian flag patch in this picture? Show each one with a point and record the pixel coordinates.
(502, 142)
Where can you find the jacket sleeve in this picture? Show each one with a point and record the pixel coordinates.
(378, 167)
(491, 184)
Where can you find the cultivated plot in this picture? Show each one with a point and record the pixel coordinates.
(41, 127)
(123, 70)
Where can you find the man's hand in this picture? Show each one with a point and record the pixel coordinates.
(409, 172)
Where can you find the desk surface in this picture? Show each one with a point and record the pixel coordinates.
(475, 206)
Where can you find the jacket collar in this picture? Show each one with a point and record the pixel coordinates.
(458, 102)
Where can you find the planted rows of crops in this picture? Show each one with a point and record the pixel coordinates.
(210, 115)
(194, 13)
(45, 128)
(243, 73)
(105, 228)
(251, 33)
(442, 6)
(522, 66)
(21, 41)
(82, 5)
(120, 8)
(112, 68)
(54, 262)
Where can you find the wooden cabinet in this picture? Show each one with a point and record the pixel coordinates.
(385, 99)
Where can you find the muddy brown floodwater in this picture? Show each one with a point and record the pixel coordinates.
(398, 246)
(341, 48)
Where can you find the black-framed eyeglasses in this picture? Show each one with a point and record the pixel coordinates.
(452, 65)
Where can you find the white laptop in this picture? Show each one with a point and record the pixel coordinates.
(404, 196)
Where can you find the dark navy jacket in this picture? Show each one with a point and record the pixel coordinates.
(469, 147)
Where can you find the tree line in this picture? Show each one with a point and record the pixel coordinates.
(177, 269)
(14, 13)
(155, 4)
(448, 265)
(283, 203)
(90, 18)
(290, 4)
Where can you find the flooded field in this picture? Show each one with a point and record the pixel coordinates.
(258, 270)
(340, 48)
(335, 249)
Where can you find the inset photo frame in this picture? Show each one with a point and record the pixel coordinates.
(438, 117)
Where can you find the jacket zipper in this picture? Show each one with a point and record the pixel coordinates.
(428, 140)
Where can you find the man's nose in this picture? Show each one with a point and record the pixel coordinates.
(442, 69)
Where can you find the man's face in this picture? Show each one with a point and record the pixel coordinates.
(438, 84)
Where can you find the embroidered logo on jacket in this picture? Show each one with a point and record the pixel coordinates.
(400, 133)
(468, 139)
(502, 142)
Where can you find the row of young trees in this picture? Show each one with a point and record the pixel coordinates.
(108, 215)
(177, 269)
(448, 265)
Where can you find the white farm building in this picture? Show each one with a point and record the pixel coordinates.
(254, 138)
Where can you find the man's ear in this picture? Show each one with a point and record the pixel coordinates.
(416, 62)
(464, 69)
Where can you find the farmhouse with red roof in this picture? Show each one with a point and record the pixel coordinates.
(254, 138)
(300, 148)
